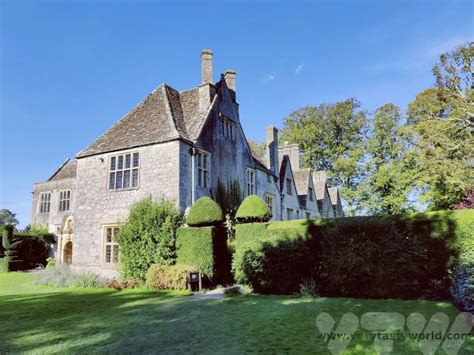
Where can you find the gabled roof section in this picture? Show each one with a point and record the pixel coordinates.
(302, 177)
(65, 171)
(149, 122)
(334, 195)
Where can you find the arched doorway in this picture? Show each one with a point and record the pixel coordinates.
(67, 253)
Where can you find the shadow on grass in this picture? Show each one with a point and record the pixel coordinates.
(142, 321)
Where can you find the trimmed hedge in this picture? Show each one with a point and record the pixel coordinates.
(204, 249)
(20, 251)
(253, 209)
(205, 212)
(408, 256)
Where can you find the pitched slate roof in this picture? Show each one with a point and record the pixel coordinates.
(319, 189)
(164, 115)
(65, 171)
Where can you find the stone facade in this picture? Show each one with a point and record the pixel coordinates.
(186, 142)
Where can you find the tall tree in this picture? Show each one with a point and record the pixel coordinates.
(441, 123)
(390, 167)
(257, 149)
(7, 217)
(332, 137)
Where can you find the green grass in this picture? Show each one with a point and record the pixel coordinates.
(44, 320)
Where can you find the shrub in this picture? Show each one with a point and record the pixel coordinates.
(62, 276)
(58, 276)
(204, 212)
(148, 237)
(253, 209)
(204, 249)
(462, 289)
(168, 277)
(87, 280)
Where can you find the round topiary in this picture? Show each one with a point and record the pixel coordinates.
(204, 212)
(253, 209)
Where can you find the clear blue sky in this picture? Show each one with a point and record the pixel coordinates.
(70, 69)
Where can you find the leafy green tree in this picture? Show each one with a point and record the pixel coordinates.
(7, 218)
(257, 149)
(229, 198)
(441, 125)
(332, 137)
(148, 237)
(391, 170)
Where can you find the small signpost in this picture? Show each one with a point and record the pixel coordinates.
(194, 281)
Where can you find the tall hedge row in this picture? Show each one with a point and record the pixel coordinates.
(371, 257)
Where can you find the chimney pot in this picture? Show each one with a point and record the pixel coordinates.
(206, 66)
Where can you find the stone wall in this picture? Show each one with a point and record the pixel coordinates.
(97, 207)
(54, 219)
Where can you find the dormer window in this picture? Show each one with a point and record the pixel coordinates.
(228, 128)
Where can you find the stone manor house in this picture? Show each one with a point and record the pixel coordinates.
(175, 145)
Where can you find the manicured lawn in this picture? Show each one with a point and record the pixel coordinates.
(44, 320)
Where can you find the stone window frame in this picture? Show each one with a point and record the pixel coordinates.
(45, 203)
(268, 198)
(114, 246)
(310, 193)
(123, 170)
(64, 200)
(289, 189)
(308, 215)
(203, 167)
(250, 178)
(228, 128)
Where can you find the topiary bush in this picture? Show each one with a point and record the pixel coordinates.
(148, 237)
(205, 212)
(168, 277)
(205, 249)
(253, 209)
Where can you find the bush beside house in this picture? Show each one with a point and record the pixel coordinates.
(393, 257)
(148, 237)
